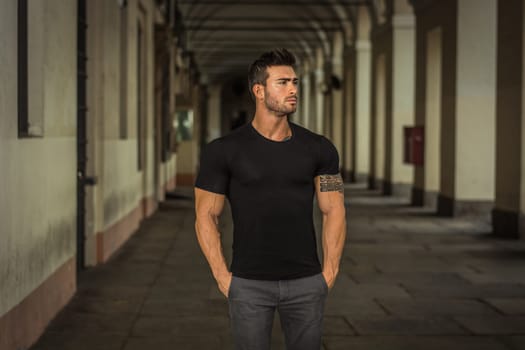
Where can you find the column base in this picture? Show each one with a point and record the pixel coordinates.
(379, 184)
(522, 226)
(401, 189)
(445, 206)
(506, 223)
(361, 178)
(386, 187)
(348, 176)
(431, 200)
(422, 198)
(371, 181)
(450, 207)
(417, 197)
(453, 207)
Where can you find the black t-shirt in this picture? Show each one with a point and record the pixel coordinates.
(270, 186)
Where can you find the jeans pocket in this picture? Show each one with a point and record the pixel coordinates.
(323, 280)
(231, 287)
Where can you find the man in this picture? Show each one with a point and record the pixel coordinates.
(269, 170)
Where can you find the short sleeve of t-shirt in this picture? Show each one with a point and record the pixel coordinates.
(213, 171)
(328, 158)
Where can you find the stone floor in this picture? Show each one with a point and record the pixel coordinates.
(409, 280)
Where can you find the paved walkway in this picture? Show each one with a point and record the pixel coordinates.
(409, 280)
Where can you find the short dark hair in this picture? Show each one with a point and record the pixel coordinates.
(258, 73)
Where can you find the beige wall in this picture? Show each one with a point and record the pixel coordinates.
(122, 187)
(112, 158)
(38, 182)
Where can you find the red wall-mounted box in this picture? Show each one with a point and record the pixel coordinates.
(414, 145)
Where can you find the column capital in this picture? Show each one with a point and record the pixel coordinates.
(337, 61)
(363, 45)
(420, 5)
(348, 51)
(319, 74)
(400, 21)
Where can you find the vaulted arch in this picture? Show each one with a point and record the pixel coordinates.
(224, 36)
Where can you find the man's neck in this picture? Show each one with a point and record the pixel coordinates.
(272, 127)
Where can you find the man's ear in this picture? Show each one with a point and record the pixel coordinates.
(258, 91)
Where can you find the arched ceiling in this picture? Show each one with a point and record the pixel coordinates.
(225, 36)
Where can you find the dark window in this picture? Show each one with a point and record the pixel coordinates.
(165, 111)
(23, 121)
(30, 108)
(124, 73)
(140, 102)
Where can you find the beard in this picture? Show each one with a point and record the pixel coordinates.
(279, 108)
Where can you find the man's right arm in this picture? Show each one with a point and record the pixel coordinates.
(208, 207)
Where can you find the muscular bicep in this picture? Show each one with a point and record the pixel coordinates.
(330, 192)
(208, 204)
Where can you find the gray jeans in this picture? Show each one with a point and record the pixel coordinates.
(299, 302)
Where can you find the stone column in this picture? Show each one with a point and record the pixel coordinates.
(521, 215)
(473, 183)
(403, 83)
(214, 112)
(319, 94)
(337, 94)
(298, 116)
(435, 93)
(432, 121)
(327, 99)
(363, 71)
(507, 215)
(304, 95)
(312, 100)
(349, 82)
(380, 106)
(455, 102)
(377, 161)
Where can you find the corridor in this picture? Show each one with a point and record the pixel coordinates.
(107, 106)
(409, 280)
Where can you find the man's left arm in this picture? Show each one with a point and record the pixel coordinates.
(330, 197)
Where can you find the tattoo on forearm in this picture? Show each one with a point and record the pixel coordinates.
(331, 183)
